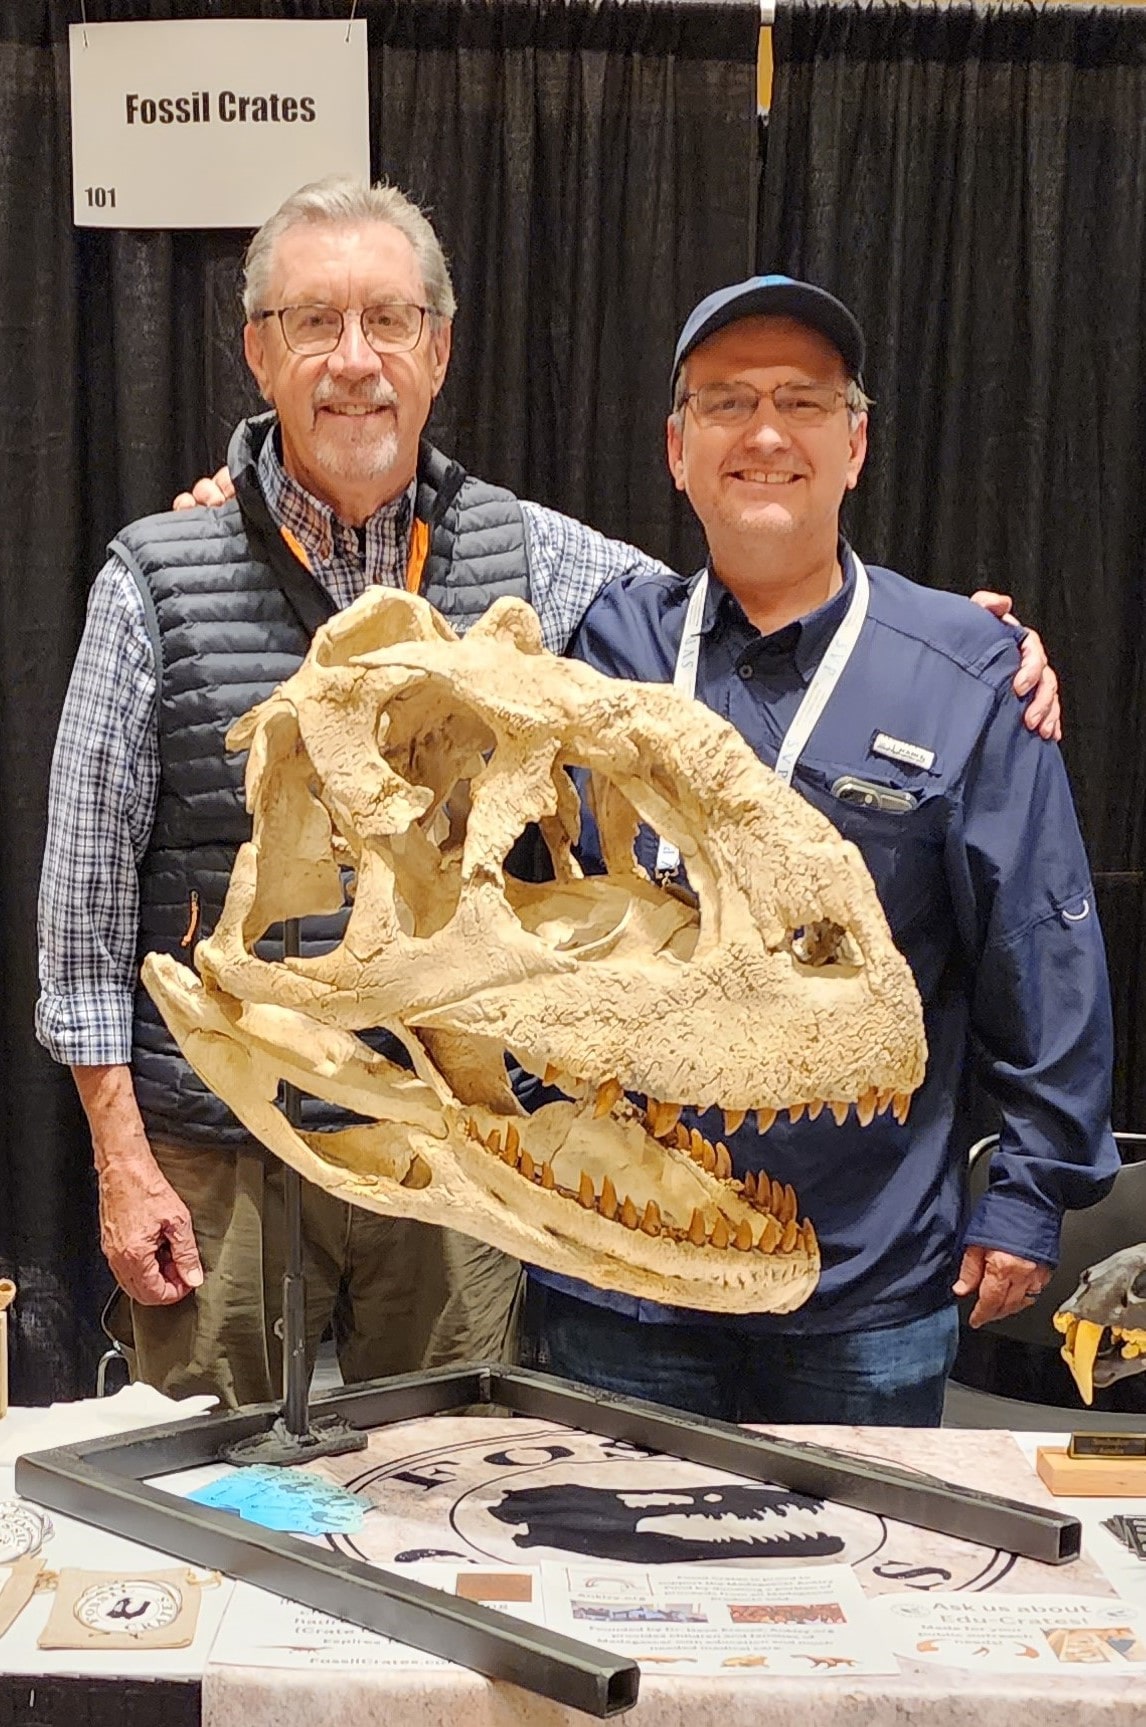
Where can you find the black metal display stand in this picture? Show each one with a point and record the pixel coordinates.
(296, 1436)
(105, 1482)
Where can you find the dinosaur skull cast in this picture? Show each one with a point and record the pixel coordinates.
(1104, 1322)
(406, 762)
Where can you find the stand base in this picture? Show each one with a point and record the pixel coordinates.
(326, 1436)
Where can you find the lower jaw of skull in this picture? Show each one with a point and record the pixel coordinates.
(610, 1165)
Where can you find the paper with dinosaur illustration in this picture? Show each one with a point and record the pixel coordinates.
(672, 1619)
(694, 1619)
(1027, 1634)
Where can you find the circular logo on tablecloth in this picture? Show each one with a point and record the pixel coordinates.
(527, 1493)
(131, 1604)
(23, 1530)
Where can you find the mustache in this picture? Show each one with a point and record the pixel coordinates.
(369, 393)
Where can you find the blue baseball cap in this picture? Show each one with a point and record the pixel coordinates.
(773, 297)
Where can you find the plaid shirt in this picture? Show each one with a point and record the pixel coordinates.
(105, 770)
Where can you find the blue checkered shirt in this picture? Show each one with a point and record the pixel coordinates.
(105, 770)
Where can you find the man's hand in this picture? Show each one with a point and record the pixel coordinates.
(1005, 1283)
(146, 1233)
(145, 1228)
(1043, 713)
(214, 491)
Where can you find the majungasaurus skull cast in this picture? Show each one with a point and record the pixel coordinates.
(393, 774)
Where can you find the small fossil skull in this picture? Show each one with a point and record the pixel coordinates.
(1104, 1322)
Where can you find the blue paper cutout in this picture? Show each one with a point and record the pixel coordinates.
(291, 1500)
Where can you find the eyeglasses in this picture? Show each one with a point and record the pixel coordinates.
(736, 404)
(392, 328)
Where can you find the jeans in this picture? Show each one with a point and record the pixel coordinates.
(891, 1377)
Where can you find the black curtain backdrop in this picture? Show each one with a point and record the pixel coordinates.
(590, 168)
(972, 180)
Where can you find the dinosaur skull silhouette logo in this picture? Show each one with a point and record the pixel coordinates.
(411, 762)
(671, 1525)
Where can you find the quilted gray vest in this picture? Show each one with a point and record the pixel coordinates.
(231, 612)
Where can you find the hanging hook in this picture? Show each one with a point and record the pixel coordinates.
(350, 21)
(84, 19)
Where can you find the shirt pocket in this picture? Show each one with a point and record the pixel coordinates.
(902, 848)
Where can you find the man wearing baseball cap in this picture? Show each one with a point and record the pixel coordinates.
(887, 705)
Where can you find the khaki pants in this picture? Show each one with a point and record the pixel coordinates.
(397, 1295)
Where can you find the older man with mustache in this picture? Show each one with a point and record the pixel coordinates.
(197, 615)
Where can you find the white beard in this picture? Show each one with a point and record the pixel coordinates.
(356, 449)
(365, 456)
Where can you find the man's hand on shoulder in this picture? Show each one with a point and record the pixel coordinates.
(214, 491)
(1005, 1283)
(1043, 713)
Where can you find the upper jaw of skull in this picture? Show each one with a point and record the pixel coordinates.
(413, 762)
(1104, 1321)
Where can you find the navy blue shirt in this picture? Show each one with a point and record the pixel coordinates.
(986, 887)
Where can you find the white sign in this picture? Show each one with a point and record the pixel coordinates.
(210, 123)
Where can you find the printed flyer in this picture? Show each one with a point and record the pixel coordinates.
(1017, 1633)
(687, 1619)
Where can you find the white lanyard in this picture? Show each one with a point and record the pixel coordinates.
(816, 696)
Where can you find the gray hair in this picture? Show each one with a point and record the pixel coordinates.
(855, 400)
(340, 199)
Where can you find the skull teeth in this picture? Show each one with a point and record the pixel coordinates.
(770, 1235)
(662, 1118)
(774, 1204)
(608, 1095)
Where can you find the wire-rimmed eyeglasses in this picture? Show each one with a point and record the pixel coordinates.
(393, 327)
(736, 404)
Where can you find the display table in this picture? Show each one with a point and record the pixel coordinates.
(524, 1512)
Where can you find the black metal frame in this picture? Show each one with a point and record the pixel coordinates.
(103, 1482)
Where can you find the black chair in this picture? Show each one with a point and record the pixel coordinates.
(1011, 1373)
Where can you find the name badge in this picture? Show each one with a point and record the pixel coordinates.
(914, 755)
